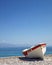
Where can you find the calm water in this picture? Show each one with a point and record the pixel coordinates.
(17, 51)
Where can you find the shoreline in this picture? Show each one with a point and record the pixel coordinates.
(21, 60)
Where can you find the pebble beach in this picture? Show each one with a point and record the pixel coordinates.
(20, 60)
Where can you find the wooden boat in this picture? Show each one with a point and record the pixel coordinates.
(37, 51)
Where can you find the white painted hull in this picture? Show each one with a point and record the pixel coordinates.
(36, 52)
(39, 52)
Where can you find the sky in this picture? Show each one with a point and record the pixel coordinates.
(26, 22)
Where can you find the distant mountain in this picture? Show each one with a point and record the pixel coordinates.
(7, 45)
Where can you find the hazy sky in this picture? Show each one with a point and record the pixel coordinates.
(26, 21)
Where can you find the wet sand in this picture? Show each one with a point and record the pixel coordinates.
(19, 60)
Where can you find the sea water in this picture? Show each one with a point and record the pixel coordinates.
(17, 51)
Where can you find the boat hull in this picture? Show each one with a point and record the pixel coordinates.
(36, 52)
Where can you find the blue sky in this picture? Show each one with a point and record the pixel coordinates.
(26, 22)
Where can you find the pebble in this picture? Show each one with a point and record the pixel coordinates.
(26, 61)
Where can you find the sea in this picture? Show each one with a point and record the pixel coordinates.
(17, 51)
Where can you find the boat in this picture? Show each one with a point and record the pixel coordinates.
(37, 51)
